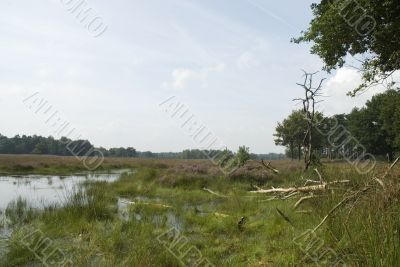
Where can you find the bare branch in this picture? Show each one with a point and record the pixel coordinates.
(268, 166)
(303, 189)
(212, 192)
(301, 200)
(309, 101)
(319, 175)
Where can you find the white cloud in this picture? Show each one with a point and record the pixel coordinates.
(337, 87)
(184, 76)
(255, 55)
(180, 43)
(247, 60)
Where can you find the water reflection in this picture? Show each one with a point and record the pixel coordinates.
(44, 190)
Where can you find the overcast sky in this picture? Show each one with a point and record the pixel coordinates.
(229, 61)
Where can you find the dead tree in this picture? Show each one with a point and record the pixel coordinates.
(309, 101)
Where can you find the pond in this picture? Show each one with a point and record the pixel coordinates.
(44, 190)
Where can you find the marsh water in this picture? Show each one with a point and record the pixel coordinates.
(44, 190)
(40, 191)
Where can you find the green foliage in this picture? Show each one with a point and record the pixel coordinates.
(373, 129)
(90, 231)
(377, 125)
(43, 145)
(291, 133)
(65, 147)
(370, 28)
(119, 152)
(242, 156)
(19, 212)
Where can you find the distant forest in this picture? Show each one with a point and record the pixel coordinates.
(66, 147)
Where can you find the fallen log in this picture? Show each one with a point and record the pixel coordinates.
(212, 192)
(345, 200)
(311, 182)
(319, 176)
(268, 166)
(302, 189)
(303, 199)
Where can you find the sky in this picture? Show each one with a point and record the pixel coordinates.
(230, 62)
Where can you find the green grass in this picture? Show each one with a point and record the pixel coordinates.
(89, 229)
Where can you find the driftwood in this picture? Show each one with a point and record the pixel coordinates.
(302, 189)
(303, 199)
(291, 191)
(311, 182)
(321, 186)
(290, 195)
(356, 195)
(344, 201)
(212, 192)
(269, 167)
(319, 176)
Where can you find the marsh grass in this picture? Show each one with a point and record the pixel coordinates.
(19, 212)
(89, 229)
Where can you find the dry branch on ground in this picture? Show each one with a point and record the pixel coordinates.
(302, 189)
(269, 167)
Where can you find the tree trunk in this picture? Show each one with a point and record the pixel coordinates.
(390, 156)
(309, 102)
(299, 151)
(292, 151)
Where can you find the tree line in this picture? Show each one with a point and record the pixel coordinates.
(374, 129)
(66, 147)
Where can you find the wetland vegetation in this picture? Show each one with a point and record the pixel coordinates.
(212, 67)
(118, 223)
